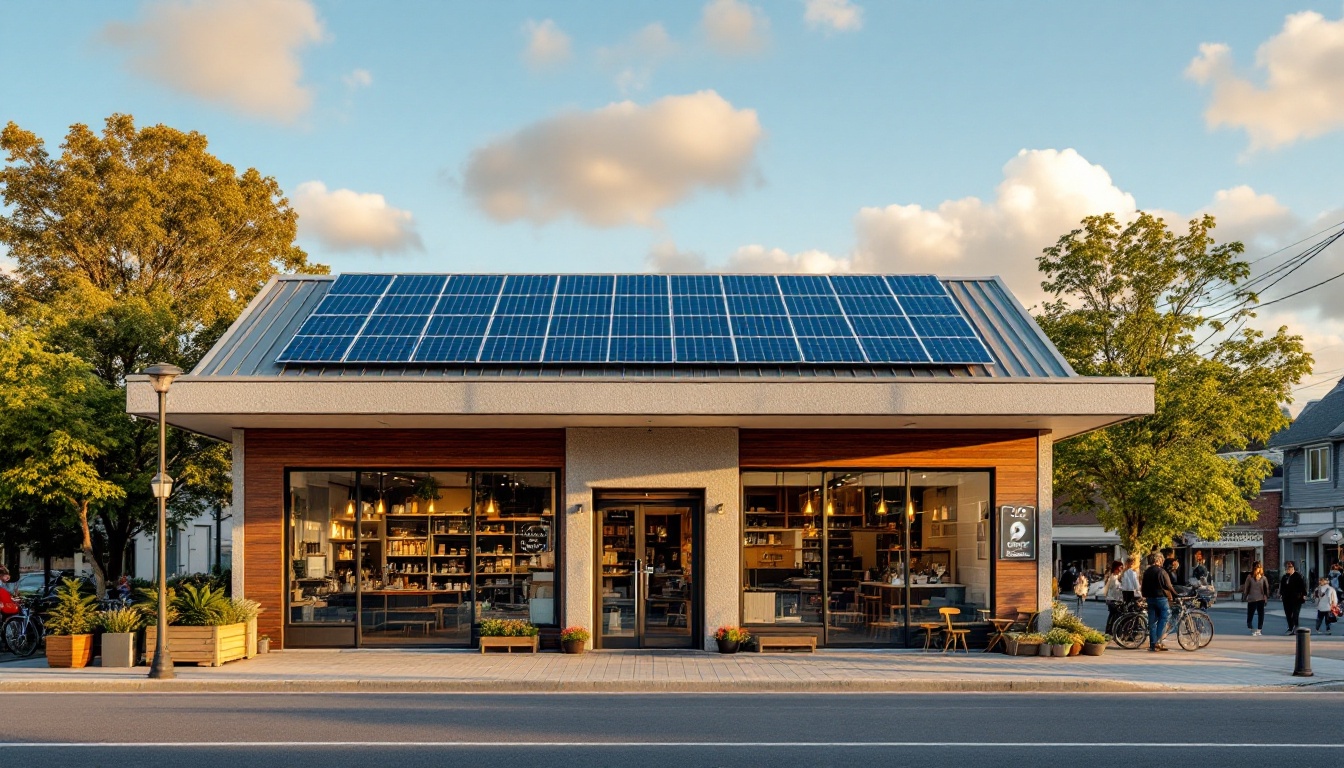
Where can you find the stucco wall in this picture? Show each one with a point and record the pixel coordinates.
(651, 459)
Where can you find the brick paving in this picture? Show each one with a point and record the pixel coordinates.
(1210, 669)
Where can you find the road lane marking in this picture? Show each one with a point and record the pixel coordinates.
(659, 744)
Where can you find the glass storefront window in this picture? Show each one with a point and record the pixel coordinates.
(419, 557)
(951, 517)
(781, 555)
(322, 548)
(866, 556)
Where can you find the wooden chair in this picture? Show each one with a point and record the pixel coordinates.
(930, 629)
(1025, 621)
(951, 634)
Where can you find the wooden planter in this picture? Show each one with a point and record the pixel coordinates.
(69, 651)
(1015, 647)
(210, 646)
(252, 638)
(509, 643)
(119, 649)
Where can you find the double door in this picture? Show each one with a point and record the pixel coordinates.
(648, 591)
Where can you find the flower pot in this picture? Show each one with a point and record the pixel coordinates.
(263, 645)
(1075, 649)
(119, 649)
(1060, 650)
(69, 651)
(1027, 649)
(1094, 649)
(1045, 649)
(573, 646)
(728, 646)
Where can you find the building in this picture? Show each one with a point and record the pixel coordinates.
(648, 456)
(198, 546)
(1312, 511)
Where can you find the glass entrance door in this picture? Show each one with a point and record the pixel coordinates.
(646, 589)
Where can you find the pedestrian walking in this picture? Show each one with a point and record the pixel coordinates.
(1080, 590)
(1293, 593)
(1114, 594)
(1255, 591)
(1327, 604)
(1066, 579)
(1172, 565)
(1158, 591)
(1335, 576)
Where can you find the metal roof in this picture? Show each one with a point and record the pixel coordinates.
(1318, 423)
(250, 346)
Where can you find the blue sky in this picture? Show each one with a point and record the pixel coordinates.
(848, 142)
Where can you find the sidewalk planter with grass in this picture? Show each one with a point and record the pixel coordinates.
(1023, 643)
(1094, 642)
(509, 634)
(205, 627)
(574, 640)
(71, 623)
(731, 639)
(121, 628)
(1060, 641)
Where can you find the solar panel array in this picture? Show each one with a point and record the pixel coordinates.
(648, 319)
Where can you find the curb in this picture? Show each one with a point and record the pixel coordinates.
(637, 686)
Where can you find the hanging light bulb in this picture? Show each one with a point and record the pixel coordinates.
(350, 508)
(431, 506)
(910, 510)
(830, 506)
(381, 508)
(882, 506)
(807, 508)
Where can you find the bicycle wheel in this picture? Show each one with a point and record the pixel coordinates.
(21, 635)
(1130, 631)
(1204, 623)
(1187, 633)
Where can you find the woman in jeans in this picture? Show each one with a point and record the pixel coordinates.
(1255, 591)
(1324, 595)
(1114, 594)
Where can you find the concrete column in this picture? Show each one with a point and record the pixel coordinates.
(1045, 523)
(239, 514)
(650, 459)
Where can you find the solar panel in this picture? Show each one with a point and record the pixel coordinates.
(636, 319)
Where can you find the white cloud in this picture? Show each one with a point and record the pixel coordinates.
(1323, 337)
(1303, 92)
(617, 165)
(734, 28)
(665, 257)
(836, 15)
(632, 61)
(358, 78)
(547, 45)
(243, 54)
(344, 220)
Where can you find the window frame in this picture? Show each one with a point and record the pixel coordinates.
(1325, 463)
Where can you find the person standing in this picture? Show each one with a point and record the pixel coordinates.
(1326, 603)
(1335, 577)
(1255, 591)
(1080, 590)
(1293, 593)
(1158, 591)
(1200, 573)
(1129, 580)
(1114, 595)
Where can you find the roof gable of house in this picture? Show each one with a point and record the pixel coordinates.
(1322, 422)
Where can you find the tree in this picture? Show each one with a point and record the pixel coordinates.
(1141, 300)
(135, 246)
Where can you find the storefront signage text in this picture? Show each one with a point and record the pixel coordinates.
(1017, 533)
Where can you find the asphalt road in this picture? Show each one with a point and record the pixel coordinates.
(682, 730)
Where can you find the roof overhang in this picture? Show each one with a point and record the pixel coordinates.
(215, 406)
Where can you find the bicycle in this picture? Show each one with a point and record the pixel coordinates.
(22, 632)
(1194, 627)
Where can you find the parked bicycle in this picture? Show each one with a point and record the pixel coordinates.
(1193, 627)
(22, 632)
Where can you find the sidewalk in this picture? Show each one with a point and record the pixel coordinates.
(1211, 669)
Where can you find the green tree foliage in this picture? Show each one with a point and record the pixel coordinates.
(136, 246)
(1141, 300)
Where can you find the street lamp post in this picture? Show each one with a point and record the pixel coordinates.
(161, 376)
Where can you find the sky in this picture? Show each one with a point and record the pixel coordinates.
(731, 135)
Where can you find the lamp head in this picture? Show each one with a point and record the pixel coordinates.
(161, 376)
(161, 485)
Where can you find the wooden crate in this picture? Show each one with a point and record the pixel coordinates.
(509, 643)
(209, 646)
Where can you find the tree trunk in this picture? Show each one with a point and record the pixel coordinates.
(86, 546)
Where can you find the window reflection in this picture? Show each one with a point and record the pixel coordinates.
(782, 556)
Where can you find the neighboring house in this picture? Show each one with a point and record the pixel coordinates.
(193, 548)
(1313, 498)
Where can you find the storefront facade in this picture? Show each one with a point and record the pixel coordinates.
(405, 504)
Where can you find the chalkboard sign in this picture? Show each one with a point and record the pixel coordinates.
(1017, 533)
(533, 539)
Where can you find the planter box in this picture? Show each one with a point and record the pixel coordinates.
(119, 649)
(1018, 648)
(252, 638)
(509, 643)
(210, 646)
(69, 651)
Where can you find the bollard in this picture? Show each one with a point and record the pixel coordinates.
(1302, 664)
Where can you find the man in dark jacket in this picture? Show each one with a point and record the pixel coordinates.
(1293, 592)
(1158, 592)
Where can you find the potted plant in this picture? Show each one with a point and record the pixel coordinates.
(574, 640)
(205, 627)
(508, 634)
(730, 638)
(121, 626)
(1023, 643)
(264, 644)
(1094, 642)
(1060, 641)
(70, 625)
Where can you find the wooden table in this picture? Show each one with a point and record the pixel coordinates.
(1000, 629)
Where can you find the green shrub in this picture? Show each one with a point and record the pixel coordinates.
(1093, 636)
(121, 620)
(147, 603)
(1059, 636)
(508, 628)
(1029, 638)
(201, 607)
(1060, 616)
(240, 610)
(74, 613)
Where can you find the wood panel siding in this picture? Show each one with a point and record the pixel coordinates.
(1010, 454)
(269, 452)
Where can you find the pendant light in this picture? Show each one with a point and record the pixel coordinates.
(882, 496)
(807, 508)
